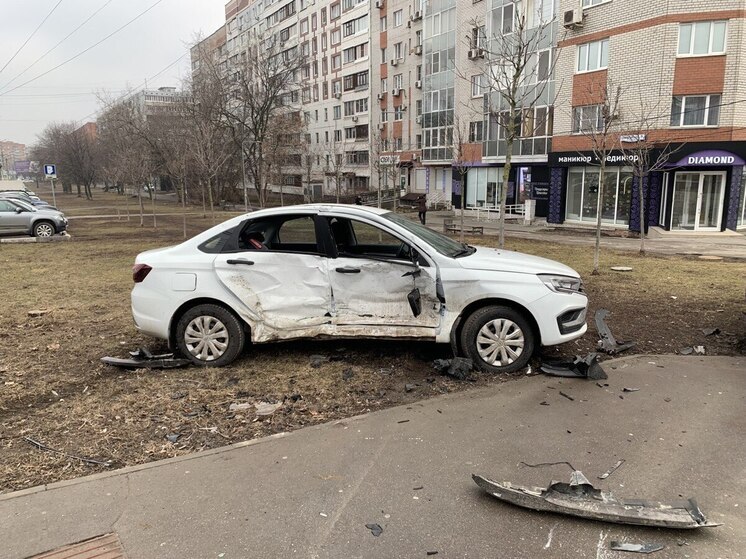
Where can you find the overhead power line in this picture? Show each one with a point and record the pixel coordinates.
(31, 36)
(81, 53)
(89, 18)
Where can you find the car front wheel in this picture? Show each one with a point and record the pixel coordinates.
(498, 339)
(210, 335)
(43, 229)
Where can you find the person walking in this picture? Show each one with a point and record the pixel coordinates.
(422, 208)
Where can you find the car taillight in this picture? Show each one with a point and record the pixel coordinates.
(140, 272)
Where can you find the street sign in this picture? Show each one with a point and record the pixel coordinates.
(50, 171)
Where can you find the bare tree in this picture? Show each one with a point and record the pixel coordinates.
(518, 65)
(643, 152)
(598, 123)
(335, 164)
(463, 159)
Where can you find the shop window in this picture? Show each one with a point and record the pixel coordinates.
(483, 187)
(583, 195)
(702, 38)
(695, 110)
(741, 222)
(593, 56)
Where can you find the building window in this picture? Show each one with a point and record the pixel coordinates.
(336, 61)
(384, 115)
(582, 195)
(398, 51)
(476, 85)
(398, 81)
(702, 38)
(337, 86)
(593, 56)
(361, 105)
(383, 23)
(589, 3)
(478, 37)
(695, 110)
(398, 113)
(323, 16)
(355, 26)
(335, 36)
(503, 19)
(588, 118)
(742, 203)
(398, 18)
(338, 136)
(475, 131)
(418, 141)
(335, 11)
(384, 85)
(337, 112)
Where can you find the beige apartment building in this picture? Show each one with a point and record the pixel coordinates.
(680, 62)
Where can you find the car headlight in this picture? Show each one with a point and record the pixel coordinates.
(562, 284)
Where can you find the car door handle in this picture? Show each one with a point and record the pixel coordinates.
(244, 262)
(348, 270)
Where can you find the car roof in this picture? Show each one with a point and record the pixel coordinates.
(320, 208)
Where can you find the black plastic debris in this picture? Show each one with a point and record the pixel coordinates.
(142, 358)
(375, 529)
(608, 343)
(625, 389)
(579, 367)
(458, 367)
(567, 396)
(636, 547)
(580, 498)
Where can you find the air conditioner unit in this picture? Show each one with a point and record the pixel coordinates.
(394, 61)
(396, 92)
(403, 107)
(354, 119)
(573, 18)
(415, 157)
(381, 96)
(379, 4)
(418, 119)
(417, 15)
(418, 49)
(476, 53)
(381, 126)
(418, 84)
(338, 95)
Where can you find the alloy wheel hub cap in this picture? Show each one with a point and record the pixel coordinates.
(500, 342)
(206, 338)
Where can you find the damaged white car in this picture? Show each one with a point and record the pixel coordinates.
(325, 271)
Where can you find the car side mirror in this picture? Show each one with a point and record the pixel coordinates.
(19, 210)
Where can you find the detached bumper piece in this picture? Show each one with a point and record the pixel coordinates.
(607, 342)
(580, 367)
(143, 359)
(579, 498)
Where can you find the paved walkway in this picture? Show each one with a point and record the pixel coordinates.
(727, 245)
(310, 493)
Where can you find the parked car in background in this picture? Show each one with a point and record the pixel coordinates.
(33, 200)
(21, 218)
(352, 272)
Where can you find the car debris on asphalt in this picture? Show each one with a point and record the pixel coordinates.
(375, 529)
(458, 367)
(579, 367)
(580, 498)
(142, 358)
(608, 343)
(636, 547)
(611, 470)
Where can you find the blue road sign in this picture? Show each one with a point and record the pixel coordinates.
(50, 170)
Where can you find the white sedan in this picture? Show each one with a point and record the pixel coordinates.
(324, 271)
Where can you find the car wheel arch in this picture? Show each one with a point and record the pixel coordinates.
(487, 302)
(39, 221)
(184, 308)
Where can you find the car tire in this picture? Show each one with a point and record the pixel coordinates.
(44, 229)
(210, 336)
(498, 339)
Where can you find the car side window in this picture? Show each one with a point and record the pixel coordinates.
(6, 206)
(296, 235)
(357, 238)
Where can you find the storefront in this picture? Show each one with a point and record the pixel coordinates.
(484, 183)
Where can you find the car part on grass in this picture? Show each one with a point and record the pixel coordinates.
(686, 351)
(699, 350)
(144, 359)
(580, 367)
(46, 448)
(711, 331)
(636, 547)
(458, 367)
(579, 498)
(611, 470)
(608, 343)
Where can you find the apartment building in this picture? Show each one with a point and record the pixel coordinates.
(12, 159)
(681, 61)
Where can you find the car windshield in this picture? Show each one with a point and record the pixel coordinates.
(444, 245)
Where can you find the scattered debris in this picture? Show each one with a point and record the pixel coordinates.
(608, 343)
(142, 358)
(580, 367)
(53, 347)
(323, 514)
(178, 395)
(173, 437)
(567, 396)
(544, 403)
(239, 407)
(625, 389)
(39, 312)
(431, 553)
(621, 269)
(409, 387)
(699, 350)
(347, 374)
(611, 470)
(265, 408)
(45, 448)
(710, 331)
(375, 529)
(636, 547)
(580, 498)
(686, 351)
(542, 464)
(403, 421)
(318, 360)
(418, 488)
(458, 367)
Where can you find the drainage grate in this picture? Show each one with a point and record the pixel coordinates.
(107, 546)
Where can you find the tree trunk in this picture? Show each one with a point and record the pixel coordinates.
(77, 184)
(504, 193)
(336, 182)
(204, 203)
(183, 206)
(597, 248)
(212, 202)
(142, 206)
(642, 214)
(463, 203)
(152, 200)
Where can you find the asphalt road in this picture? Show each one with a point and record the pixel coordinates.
(310, 493)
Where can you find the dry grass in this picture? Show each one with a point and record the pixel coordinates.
(54, 389)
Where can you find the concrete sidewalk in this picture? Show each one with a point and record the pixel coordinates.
(310, 493)
(727, 244)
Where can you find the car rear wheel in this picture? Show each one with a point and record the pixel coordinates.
(43, 229)
(498, 339)
(210, 335)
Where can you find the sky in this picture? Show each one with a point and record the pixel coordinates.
(123, 62)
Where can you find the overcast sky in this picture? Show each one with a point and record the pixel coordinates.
(124, 61)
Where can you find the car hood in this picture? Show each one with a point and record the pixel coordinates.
(508, 261)
(48, 210)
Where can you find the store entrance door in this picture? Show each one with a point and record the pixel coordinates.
(698, 201)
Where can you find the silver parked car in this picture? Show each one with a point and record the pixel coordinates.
(20, 218)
